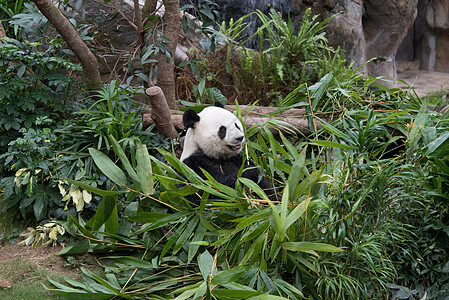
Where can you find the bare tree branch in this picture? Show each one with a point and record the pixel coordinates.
(76, 44)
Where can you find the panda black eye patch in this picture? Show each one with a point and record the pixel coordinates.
(237, 127)
(222, 132)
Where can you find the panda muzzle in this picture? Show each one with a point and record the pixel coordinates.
(236, 147)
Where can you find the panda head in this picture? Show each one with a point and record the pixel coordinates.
(215, 130)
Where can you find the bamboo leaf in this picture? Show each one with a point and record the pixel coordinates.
(92, 189)
(124, 159)
(307, 182)
(105, 209)
(332, 129)
(251, 219)
(310, 246)
(296, 174)
(283, 214)
(131, 261)
(194, 245)
(330, 144)
(229, 275)
(234, 294)
(107, 166)
(266, 296)
(317, 90)
(80, 248)
(143, 167)
(297, 213)
(206, 265)
(359, 202)
(254, 187)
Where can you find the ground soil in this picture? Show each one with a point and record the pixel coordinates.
(42, 257)
(424, 82)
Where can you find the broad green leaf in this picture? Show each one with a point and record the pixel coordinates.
(186, 234)
(187, 294)
(107, 166)
(307, 182)
(80, 248)
(297, 213)
(147, 217)
(104, 283)
(229, 275)
(233, 294)
(92, 189)
(254, 187)
(333, 129)
(123, 159)
(296, 173)
(160, 222)
(187, 288)
(291, 150)
(197, 237)
(144, 168)
(131, 261)
(310, 246)
(203, 291)
(256, 230)
(105, 209)
(317, 90)
(439, 147)
(206, 265)
(253, 218)
(126, 225)
(280, 220)
(111, 223)
(254, 250)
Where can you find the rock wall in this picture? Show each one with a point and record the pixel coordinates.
(431, 35)
(366, 29)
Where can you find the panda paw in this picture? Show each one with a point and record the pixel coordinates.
(251, 173)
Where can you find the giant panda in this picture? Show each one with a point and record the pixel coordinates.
(214, 141)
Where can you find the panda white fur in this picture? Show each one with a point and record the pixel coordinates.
(214, 142)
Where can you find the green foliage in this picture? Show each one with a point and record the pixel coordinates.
(32, 102)
(35, 89)
(8, 9)
(207, 240)
(287, 58)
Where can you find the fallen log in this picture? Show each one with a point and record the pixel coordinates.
(160, 113)
(293, 119)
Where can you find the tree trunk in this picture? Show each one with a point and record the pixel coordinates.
(2, 32)
(166, 70)
(148, 8)
(76, 44)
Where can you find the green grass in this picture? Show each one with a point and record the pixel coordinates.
(22, 279)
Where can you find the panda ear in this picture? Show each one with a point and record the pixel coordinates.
(189, 118)
(218, 104)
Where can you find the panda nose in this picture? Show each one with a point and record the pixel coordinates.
(239, 139)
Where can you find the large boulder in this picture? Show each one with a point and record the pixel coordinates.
(385, 24)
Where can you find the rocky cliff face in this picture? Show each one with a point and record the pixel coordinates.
(366, 29)
(431, 35)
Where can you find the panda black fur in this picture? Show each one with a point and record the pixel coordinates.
(214, 142)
